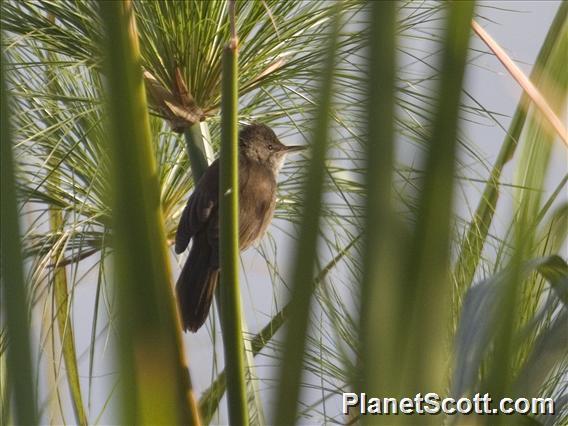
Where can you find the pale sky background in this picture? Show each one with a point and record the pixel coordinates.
(521, 33)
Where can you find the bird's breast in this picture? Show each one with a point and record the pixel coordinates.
(257, 199)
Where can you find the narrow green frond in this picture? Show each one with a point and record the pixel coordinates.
(15, 305)
(305, 255)
(151, 353)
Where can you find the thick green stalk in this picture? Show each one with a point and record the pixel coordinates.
(15, 305)
(155, 381)
(198, 141)
(198, 144)
(231, 317)
(306, 249)
(474, 240)
(379, 282)
(426, 283)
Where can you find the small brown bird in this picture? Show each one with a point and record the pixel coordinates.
(261, 156)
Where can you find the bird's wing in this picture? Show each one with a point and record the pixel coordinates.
(200, 206)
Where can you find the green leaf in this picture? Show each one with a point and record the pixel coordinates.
(379, 347)
(305, 253)
(155, 384)
(15, 305)
(426, 283)
(482, 310)
(472, 244)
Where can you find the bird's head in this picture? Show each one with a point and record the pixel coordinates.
(257, 142)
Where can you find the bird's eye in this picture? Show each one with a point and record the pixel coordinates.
(270, 147)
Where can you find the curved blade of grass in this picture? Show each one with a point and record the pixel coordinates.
(531, 171)
(14, 299)
(66, 337)
(525, 83)
(306, 249)
(155, 380)
(548, 350)
(480, 313)
(476, 234)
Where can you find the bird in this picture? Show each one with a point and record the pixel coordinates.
(261, 156)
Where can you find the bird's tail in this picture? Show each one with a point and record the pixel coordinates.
(196, 284)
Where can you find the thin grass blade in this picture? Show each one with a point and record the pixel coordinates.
(59, 277)
(476, 234)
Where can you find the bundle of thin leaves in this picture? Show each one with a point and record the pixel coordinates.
(390, 291)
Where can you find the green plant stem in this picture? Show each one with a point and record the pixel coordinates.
(59, 278)
(532, 168)
(379, 282)
(156, 386)
(231, 316)
(15, 305)
(426, 282)
(64, 323)
(212, 396)
(474, 240)
(306, 250)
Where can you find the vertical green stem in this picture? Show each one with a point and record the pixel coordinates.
(229, 240)
(426, 284)
(15, 305)
(379, 281)
(155, 380)
(306, 250)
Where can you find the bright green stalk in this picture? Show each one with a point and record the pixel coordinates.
(155, 381)
(198, 145)
(15, 305)
(426, 285)
(200, 156)
(474, 240)
(306, 249)
(64, 323)
(59, 282)
(380, 289)
(4, 394)
(231, 316)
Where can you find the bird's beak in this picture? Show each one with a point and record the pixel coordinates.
(294, 148)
